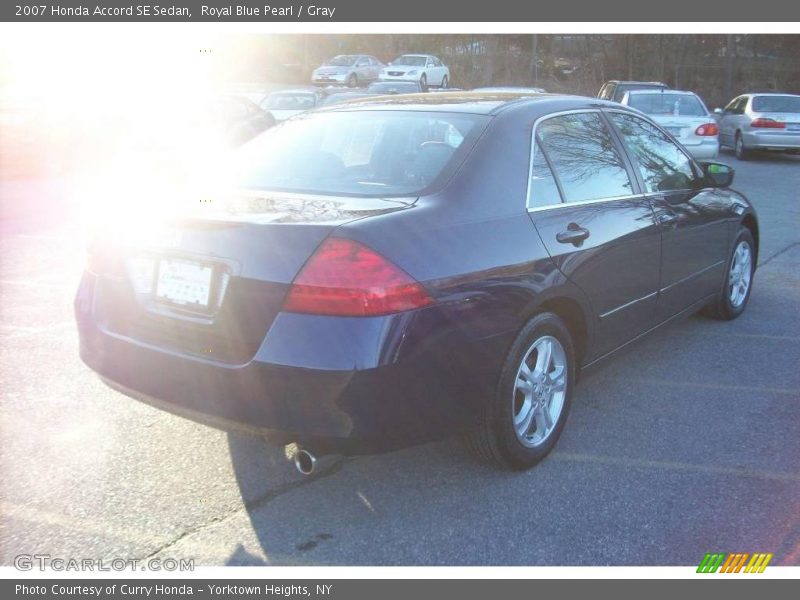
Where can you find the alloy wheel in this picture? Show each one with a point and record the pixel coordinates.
(539, 391)
(740, 274)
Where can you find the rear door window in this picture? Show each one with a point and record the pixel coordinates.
(543, 190)
(583, 155)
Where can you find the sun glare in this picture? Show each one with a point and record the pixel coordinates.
(129, 120)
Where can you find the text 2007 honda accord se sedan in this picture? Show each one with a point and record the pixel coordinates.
(401, 269)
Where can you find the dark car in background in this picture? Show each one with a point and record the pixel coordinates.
(346, 96)
(394, 87)
(401, 270)
(615, 90)
(284, 104)
(244, 118)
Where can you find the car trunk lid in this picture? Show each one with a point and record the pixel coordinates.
(210, 285)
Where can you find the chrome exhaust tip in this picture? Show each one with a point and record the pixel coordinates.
(304, 461)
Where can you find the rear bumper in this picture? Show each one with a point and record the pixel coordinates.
(771, 140)
(349, 385)
(707, 149)
(329, 79)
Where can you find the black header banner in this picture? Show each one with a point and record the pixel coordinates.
(451, 11)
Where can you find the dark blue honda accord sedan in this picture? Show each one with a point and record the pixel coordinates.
(397, 270)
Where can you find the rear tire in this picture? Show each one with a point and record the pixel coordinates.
(524, 420)
(739, 150)
(445, 82)
(738, 282)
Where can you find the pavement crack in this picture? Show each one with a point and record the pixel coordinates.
(251, 505)
(778, 253)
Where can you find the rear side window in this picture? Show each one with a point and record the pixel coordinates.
(607, 91)
(663, 165)
(543, 190)
(736, 107)
(583, 155)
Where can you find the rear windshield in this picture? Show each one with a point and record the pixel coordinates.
(668, 104)
(343, 60)
(289, 102)
(784, 104)
(364, 153)
(627, 87)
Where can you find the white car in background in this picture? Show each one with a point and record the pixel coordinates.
(426, 69)
(681, 113)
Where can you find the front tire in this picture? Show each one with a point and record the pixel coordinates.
(352, 80)
(735, 292)
(423, 82)
(524, 420)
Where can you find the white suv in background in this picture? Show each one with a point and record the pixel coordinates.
(427, 69)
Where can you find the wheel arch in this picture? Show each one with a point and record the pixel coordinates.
(749, 222)
(568, 305)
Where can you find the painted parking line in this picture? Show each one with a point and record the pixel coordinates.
(674, 466)
(11, 332)
(793, 392)
(83, 526)
(32, 283)
(751, 336)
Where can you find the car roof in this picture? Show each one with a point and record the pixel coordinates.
(621, 82)
(769, 94)
(294, 91)
(472, 102)
(411, 54)
(654, 92)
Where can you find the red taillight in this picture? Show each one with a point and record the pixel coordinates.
(707, 129)
(767, 124)
(346, 278)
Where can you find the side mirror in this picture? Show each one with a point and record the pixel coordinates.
(718, 175)
(389, 64)
(718, 111)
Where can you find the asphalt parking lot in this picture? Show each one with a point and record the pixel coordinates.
(686, 444)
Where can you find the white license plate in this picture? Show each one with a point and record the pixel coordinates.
(184, 283)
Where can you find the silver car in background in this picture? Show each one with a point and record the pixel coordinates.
(760, 122)
(681, 113)
(351, 70)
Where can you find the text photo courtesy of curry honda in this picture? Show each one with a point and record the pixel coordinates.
(285, 258)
